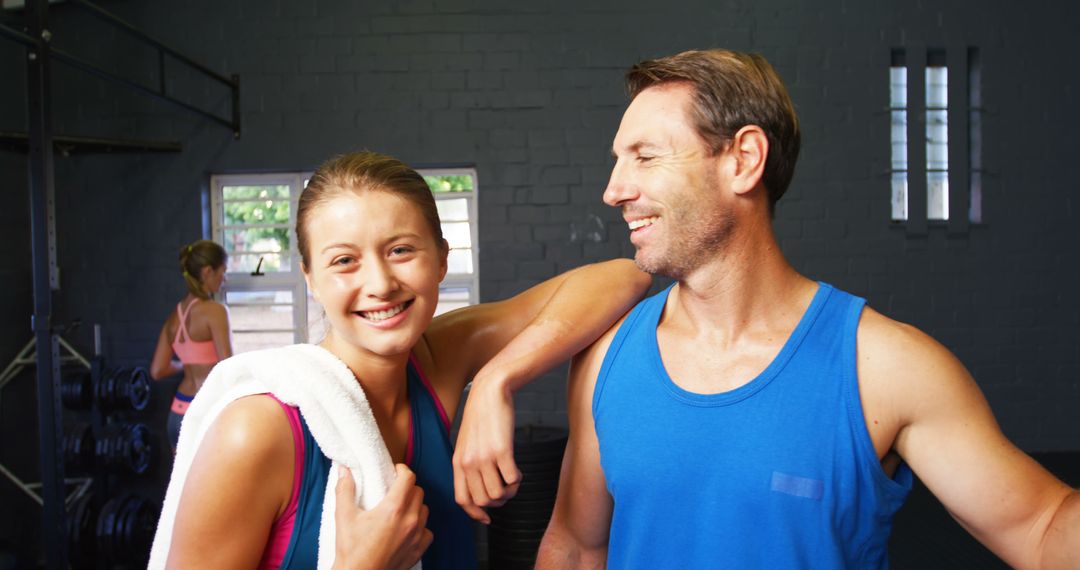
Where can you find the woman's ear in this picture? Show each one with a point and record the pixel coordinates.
(307, 281)
(443, 263)
(205, 274)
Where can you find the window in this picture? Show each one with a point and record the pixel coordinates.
(920, 100)
(455, 196)
(254, 217)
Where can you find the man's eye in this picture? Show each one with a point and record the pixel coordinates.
(344, 260)
(401, 250)
(645, 158)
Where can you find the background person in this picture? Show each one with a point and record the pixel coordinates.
(197, 332)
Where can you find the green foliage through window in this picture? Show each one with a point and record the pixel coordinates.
(448, 183)
(256, 209)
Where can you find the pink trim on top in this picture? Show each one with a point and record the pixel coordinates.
(434, 396)
(282, 529)
(409, 445)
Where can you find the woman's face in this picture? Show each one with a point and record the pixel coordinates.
(213, 278)
(376, 268)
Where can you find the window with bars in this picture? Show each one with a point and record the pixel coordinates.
(935, 136)
(254, 217)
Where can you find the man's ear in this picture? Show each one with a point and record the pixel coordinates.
(749, 149)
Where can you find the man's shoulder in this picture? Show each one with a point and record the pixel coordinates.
(884, 337)
(899, 359)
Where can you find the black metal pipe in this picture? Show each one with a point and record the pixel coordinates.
(133, 31)
(15, 35)
(39, 110)
(68, 145)
(94, 70)
(161, 71)
(236, 106)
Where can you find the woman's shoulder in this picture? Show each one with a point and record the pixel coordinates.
(255, 425)
(209, 307)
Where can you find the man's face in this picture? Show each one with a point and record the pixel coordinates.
(668, 184)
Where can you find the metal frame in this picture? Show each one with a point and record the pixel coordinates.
(40, 146)
(28, 357)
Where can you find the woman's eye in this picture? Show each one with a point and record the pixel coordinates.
(343, 260)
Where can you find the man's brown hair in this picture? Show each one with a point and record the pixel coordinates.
(732, 90)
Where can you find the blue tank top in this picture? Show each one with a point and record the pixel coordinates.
(453, 546)
(778, 473)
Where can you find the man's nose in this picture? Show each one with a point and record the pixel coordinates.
(619, 188)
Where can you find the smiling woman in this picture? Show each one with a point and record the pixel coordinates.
(372, 253)
(254, 216)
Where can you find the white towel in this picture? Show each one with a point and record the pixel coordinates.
(333, 405)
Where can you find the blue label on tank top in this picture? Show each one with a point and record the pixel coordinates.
(797, 486)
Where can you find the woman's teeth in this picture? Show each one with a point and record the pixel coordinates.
(382, 315)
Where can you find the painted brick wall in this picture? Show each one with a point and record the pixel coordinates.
(532, 96)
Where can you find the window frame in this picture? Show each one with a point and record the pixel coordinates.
(239, 282)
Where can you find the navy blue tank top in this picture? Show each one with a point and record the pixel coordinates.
(778, 473)
(453, 546)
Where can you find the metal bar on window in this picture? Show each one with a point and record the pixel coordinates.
(916, 136)
(959, 143)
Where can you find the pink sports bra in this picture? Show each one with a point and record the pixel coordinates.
(192, 351)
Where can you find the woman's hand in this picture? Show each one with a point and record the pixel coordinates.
(393, 535)
(507, 344)
(485, 474)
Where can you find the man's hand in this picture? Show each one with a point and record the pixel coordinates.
(392, 535)
(485, 474)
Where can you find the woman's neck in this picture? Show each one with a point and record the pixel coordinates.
(381, 377)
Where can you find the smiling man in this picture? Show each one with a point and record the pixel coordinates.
(748, 416)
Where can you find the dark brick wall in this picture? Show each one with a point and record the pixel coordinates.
(532, 97)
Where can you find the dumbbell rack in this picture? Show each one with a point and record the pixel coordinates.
(104, 533)
(28, 357)
(100, 533)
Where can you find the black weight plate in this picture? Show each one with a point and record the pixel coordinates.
(139, 449)
(138, 389)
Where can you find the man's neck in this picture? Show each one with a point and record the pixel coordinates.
(749, 285)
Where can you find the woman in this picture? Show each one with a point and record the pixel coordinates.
(373, 254)
(197, 332)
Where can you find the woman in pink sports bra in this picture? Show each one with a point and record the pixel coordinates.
(197, 332)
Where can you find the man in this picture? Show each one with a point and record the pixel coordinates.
(749, 417)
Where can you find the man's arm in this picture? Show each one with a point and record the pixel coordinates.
(577, 536)
(948, 435)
